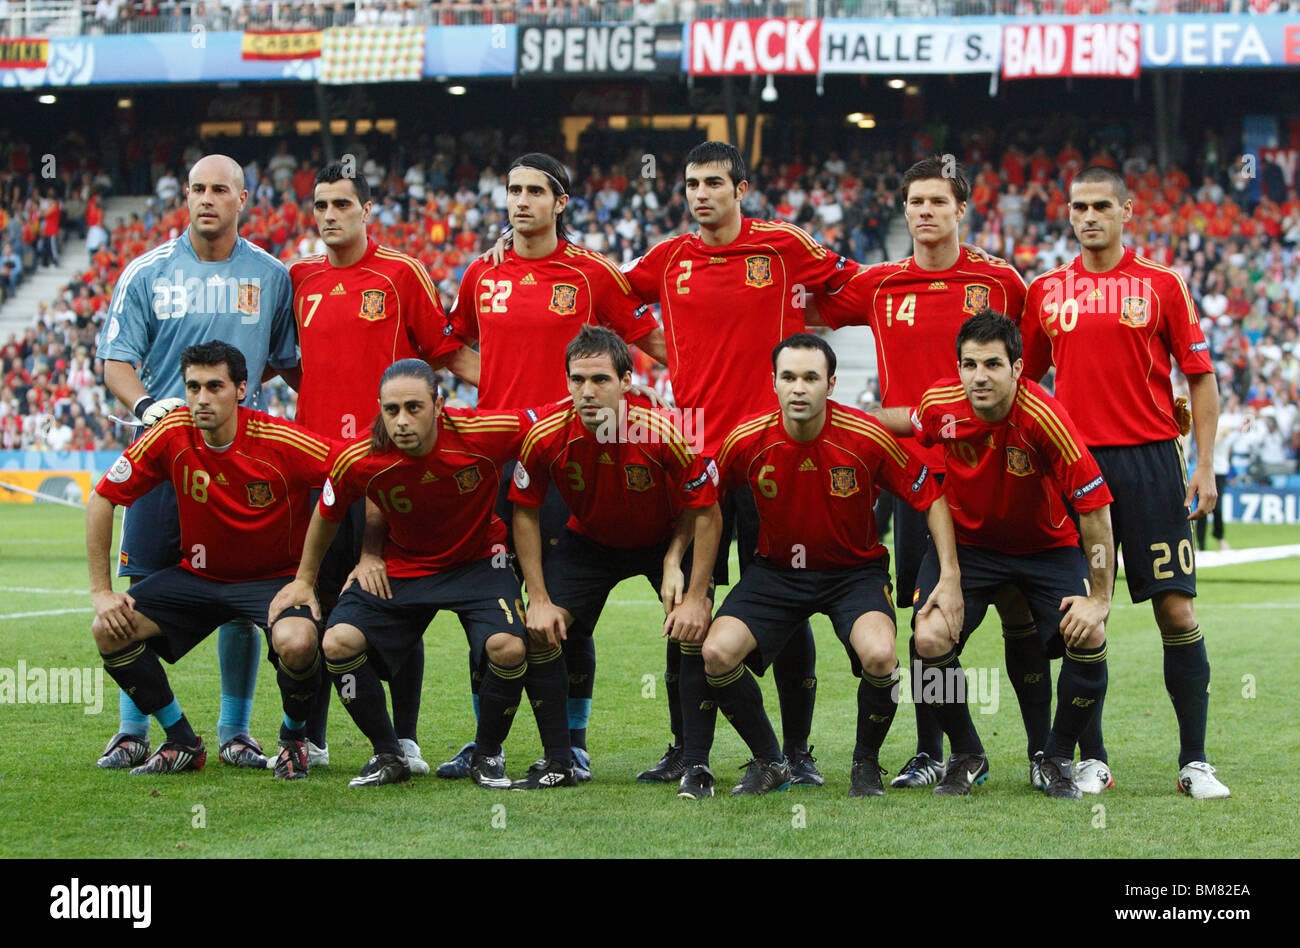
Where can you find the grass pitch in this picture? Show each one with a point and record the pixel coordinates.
(57, 803)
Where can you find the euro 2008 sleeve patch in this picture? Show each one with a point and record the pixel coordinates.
(120, 471)
(327, 493)
(522, 480)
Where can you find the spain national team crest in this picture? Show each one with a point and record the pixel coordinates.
(1018, 462)
(468, 478)
(250, 298)
(977, 298)
(564, 299)
(844, 481)
(372, 304)
(259, 494)
(1133, 312)
(758, 271)
(638, 477)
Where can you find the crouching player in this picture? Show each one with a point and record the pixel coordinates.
(1013, 457)
(242, 481)
(433, 473)
(639, 496)
(816, 468)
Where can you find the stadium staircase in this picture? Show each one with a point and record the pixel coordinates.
(43, 284)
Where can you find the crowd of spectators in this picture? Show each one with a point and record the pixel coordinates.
(443, 199)
(161, 16)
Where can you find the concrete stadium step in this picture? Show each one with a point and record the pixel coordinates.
(43, 285)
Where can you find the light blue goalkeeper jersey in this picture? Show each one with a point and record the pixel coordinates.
(168, 300)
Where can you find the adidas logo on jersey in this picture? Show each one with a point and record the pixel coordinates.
(807, 465)
(938, 285)
(221, 479)
(604, 458)
(717, 260)
(429, 477)
(338, 290)
(528, 280)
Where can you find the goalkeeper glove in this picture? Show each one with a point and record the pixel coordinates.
(152, 412)
(1182, 416)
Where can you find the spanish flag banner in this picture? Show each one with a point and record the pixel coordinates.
(282, 44)
(24, 53)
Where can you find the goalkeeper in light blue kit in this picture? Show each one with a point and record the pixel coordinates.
(206, 284)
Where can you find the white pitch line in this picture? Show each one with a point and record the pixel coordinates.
(51, 592)
(49, 612)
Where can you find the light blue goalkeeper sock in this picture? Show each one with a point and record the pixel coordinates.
(239, 649)
(474, 698)
(169, 715)
(579, 713)
(130, 720)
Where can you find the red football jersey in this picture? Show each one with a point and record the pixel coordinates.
(353, 323)
(1006, 482)
(815, 498)
(524, 313)
(725, 308)
(439, 507)
(243, 509)
(1111, 336)
(622, 493)
(915, 315)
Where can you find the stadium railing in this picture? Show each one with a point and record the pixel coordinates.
(19, 18)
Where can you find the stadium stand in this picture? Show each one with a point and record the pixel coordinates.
(443, 200)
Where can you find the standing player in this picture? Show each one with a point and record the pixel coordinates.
(914, 308)
(816, 468)
(206, 284)
(727, 294)
(1013, 456)
(639, 494)
(243, 480)
(361, 307)
(434, 475)
(523, 311)
(1112, 322)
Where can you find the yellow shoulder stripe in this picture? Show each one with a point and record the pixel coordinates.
(349, 457)
(1056, 431)
(169, 422)
(307, 442)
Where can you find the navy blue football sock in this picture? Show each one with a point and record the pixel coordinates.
(673, 685)
(580, 658)
(1031, 677)
(546, 682)
(140, 675)
(929, 732)
(740, 699)
(698, 705)
(1187, 679)
(1079, 690)
(876, 706)
(362, 693)
(405, 688)
(297, 689)
(943, 687)
(795, 674)
(498, 700)
(176, 725)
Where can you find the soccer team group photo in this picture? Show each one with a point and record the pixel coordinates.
(661, 458)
